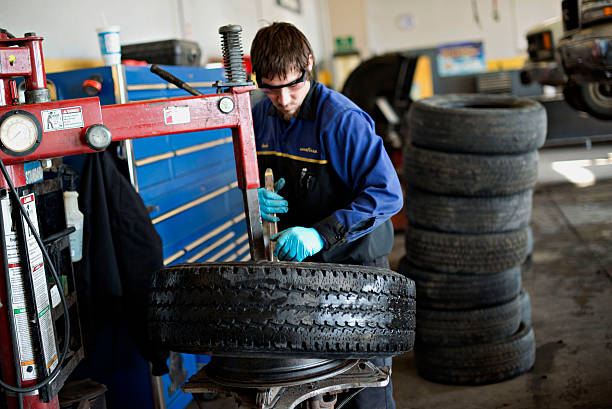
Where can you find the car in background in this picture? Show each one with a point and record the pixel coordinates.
(543, 65)
(575, 52)
(586, 55)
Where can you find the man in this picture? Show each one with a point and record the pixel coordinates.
(337, 187)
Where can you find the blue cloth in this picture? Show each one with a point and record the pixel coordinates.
(340, 179)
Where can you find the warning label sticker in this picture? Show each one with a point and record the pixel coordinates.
(19, 307)
(20, 303)
(177, 115)
(39, 280)
(62, 118)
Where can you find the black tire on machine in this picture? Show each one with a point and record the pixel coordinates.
(280, 309)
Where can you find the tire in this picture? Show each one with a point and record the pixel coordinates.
(282, 308)
(460, 174)
(455, 214)
(478, 123)
(465, 253)
(525, 301)
(594, 98)
(460, 327)
(529, 241)
(478, 364)
(449, 291)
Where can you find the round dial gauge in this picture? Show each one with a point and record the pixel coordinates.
(20, 133)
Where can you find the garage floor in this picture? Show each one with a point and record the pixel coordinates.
(569, 279)
(570, 283)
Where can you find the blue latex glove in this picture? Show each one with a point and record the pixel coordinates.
(297, 243)
(271, 202)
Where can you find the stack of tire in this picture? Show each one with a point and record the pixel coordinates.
(470, 170)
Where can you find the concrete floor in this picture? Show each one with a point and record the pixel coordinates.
(570, 283)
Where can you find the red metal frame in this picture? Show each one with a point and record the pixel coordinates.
(125, 121)
(146, 119)
(21, 57)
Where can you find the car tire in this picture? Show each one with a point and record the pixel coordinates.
(465, 253)
(525, 301)
(452, 291)
(478, 123)
(475, 326)
(478, 364)
(461, 174)
(265, 308)
(457, 214)
(593, 98)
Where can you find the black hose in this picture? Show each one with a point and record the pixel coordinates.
(58, 368)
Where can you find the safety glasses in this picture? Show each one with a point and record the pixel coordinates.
(277, 89)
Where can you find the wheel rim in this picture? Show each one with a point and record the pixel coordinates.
(602, 93)
(260, 372)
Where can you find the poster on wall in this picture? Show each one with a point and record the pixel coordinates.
(461, 59)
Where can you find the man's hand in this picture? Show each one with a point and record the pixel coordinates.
(297, 243)
(272, 202)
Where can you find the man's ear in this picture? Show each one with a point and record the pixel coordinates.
(310, 63)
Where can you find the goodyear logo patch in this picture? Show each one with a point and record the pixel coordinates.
(309, 150)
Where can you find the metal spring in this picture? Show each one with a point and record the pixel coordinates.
(233, 59)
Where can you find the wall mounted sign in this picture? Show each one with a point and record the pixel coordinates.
(461, 59)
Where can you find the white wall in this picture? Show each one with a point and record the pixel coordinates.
(348, 18)
(68, 26)
(447, 21)
(205, 18)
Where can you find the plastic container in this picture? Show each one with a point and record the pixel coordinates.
(74, 217)
(110, 44)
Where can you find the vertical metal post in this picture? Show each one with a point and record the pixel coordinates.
(248, 172)
(120, 90)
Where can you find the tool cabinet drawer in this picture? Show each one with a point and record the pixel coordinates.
(198, 215)
(217, 159)
(225, 240)
(170, 198)
(148, 149)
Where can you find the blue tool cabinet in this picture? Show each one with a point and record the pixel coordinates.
(187, 181)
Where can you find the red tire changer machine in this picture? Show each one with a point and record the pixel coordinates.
(32, 353)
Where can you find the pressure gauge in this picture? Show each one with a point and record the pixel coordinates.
(20, 133)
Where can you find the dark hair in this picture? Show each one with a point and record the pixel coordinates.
(279, 49)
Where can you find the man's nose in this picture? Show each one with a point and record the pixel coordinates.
(284, 97)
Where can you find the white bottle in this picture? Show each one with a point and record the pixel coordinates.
(74, 217)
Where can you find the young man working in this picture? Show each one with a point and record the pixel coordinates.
(337, 187)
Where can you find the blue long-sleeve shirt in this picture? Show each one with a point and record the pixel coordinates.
(339, 177)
